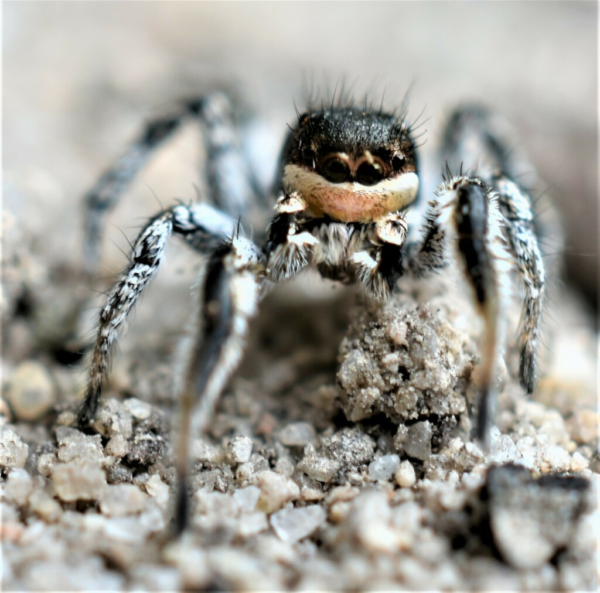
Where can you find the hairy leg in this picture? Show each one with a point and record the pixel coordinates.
(464, 224)
(228, 175)
(201, 224)
(515, 205)
(482, 140)
(228, 298)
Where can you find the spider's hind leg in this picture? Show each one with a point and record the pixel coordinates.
(228, 175)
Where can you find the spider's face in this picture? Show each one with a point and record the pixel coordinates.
(351, 165)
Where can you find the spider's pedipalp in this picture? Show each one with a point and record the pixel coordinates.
(148, 251)
(428, 255)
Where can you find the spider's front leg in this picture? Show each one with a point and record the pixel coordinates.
(516, 207)
(200, 225)
(463, 223)
(228, 299)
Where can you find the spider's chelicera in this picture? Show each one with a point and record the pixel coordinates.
(346, 180)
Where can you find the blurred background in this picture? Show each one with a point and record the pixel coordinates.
(81, 78)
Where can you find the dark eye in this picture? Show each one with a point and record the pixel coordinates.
(369, 174)
(398, 162)
(335, 170)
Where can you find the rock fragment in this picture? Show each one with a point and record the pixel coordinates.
(532, 519)
(239, 450)
(418, 440)
(250, 524)
(297, 434)
(584, 426)
(350, 447)
(45, 463)
(247, 498)
(19, 486)
(78, 481)
(118, 474)
(146, 449)
(275, 491)
(158, 490)
(118, 446)
(122, 499)
(139, 409)
(369, 523)
(384, 467)
(114, 418)
(403, 361)
(318, 467)
(405, 476)
(73, 444)
(13, 451)
(31, 392)
(292, 525)
(45, 506)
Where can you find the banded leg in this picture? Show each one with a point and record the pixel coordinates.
(515, 205)
(468, 211)
(201, 225)
(229, 180)
(228, 299)
(477, 136)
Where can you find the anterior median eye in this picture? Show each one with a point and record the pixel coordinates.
(335, 169)
(369, 174)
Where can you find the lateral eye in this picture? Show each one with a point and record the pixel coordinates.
(398, 162)
(335, 169)
(369, 174)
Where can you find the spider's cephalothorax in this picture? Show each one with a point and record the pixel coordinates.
(351, 165)
(347, 177)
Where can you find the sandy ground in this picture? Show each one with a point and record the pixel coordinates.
(340, 456)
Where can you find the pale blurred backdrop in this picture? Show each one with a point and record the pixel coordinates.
(80, 79)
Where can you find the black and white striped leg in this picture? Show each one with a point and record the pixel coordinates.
(201, 224)
(515, 205)
(469, 213)
(228, 176)
(228, 299)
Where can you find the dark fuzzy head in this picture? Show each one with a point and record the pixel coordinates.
(351, 131)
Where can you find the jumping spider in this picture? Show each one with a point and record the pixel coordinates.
(347, 178)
